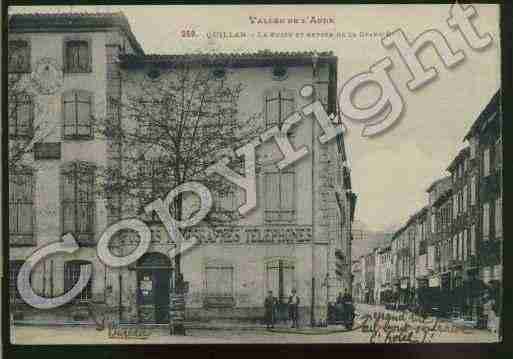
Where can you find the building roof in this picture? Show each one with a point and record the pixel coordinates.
(443, 197)
(398, 232)
(241, 59)
(459, 157)
(489, 110)
(419, 214)
(51, 22)
(438, 182)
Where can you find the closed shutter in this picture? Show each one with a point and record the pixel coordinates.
(219, 281)
(21, 206)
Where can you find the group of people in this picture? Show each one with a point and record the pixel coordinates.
(271, 308)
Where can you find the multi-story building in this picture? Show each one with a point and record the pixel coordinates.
(453, 246)
(60, 70)
(402, 286)
(440, 208)
(299, 236)
(383, 274)
(463, 263)
(485, 172)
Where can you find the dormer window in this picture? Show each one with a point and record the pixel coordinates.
(279, 72)
(219, 73)
(77, 56)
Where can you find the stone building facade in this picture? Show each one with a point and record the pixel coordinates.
(454, 244)
(236, 263)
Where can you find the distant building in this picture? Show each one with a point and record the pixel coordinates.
(450, 252)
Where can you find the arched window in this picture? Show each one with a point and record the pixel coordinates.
(21, 206)
(71, 275)
(78, 205)
(78, 114)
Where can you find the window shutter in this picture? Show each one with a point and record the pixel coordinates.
(498, 217)
(486, 162)
(473, 190)
(486, 221)
(272, 193)
(473, 239)
(287, 191)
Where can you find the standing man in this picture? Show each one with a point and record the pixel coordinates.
(293, 309)
(269, 307)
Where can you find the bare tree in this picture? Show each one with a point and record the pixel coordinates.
(27, 123)
(175, 123)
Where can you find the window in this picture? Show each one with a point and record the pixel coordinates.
(486, 221)
(486, 162)
(77, 56)
(14, 269)
(487, 274)
(219, 280)
(78, 115)
(473, 189)
(279, 104)
(78, 207)
(498, 152)
(473, 148)
(455, 247)
(219, 73)
(498, 218)
(279, 196)
(464, 197)
(455, 206)
(464, 245)
(473, 240)
(226, 201)
(71, 275)
(21, 115)
(21, 205)
(153, 182)
(279, 72)
(19, 56)
(280, 278)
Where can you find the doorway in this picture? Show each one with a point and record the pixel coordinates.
(153, 287)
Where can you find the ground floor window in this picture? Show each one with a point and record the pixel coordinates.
(219, 283)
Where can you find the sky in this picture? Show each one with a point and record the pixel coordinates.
(390, 172)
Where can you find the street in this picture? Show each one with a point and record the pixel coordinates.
(220, 335)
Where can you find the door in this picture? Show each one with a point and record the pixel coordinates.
(161, 296)
(153, 278)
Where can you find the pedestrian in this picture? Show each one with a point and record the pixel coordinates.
(269, 308)
(347, 297)
(293, 309)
